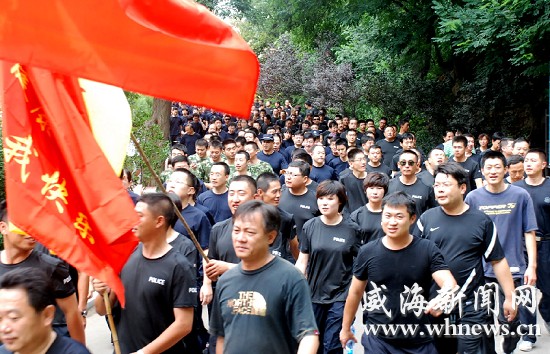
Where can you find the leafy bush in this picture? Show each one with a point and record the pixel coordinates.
(150, 137)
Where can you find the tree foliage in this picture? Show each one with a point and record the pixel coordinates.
(480, 64)
(150, 137)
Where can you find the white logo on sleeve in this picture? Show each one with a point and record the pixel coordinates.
(432, 229)
(339, 239)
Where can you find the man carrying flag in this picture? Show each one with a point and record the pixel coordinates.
(162, 284)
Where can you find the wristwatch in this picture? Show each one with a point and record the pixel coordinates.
(84, 313)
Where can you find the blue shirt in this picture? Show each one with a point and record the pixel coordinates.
(513, 213)
(323, 173)
(276, 160)
(216, 204)
(198, 223)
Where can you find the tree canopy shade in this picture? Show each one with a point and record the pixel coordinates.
(479, 64)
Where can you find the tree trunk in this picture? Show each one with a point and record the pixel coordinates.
(161, 115)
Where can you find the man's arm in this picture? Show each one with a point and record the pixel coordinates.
(309, 344)
(301, 262)
(504, 277)
(445, 280)
(181, 327)
(294, 247)
(206, 293)
(101, 287)
(479, 183)
(69, 306)
(214, 268)
(83, 289)
(530, 276)
(355, 294)
(219, 345)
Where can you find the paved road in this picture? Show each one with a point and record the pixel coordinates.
(99, 340)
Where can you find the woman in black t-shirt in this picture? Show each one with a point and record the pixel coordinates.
(327, 250)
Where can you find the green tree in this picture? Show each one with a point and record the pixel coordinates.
(479, 64)
(151, 138)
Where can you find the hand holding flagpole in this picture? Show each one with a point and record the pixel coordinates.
(161, 186)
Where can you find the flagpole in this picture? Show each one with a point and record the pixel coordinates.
(114, 333)
(161, 186)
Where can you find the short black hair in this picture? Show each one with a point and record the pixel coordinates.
(301, 155)
(242, 152)
(460, 139)
(341, 141)
(226, 168)
(490, 154)
(329, 187)
(179, 158)
(35, 282)
(376, 179)
(270, 214)
(400, 198)
(249, 180)
(542, 154)
(216, 144)
(354, 152)
(514, 159)
(454, 170)
(265, 179)
(302, 166)
(521, 140)
(179, 147)
(160, 205)
(366, 138)
(202, 143)
(409, 152)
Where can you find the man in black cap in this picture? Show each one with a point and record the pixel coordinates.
(272, 157)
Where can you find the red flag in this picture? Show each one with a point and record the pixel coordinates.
(173, 49)
(60, 187)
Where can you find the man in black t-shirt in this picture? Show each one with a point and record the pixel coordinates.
(286, 242)
(297, 199)
(354, 181)
(467, 163)
(375, 161)
(263, 304)
(409, 183)
(466, 237)
(538, 188)
(19, 251)
(392, 266)
(389, 145)
(160, 286)
(27, 307)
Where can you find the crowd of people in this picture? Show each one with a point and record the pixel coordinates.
(305, 218)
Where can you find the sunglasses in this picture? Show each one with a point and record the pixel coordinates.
(410, 163)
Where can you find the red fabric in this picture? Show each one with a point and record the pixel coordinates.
(57, 178)
(184, 53)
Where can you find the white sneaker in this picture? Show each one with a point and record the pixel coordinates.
(525, 346)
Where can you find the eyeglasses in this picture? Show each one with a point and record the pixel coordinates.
(178, 182)
(410, 163)
(363, 159)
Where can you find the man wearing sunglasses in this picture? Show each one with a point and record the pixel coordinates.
(408, 182)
